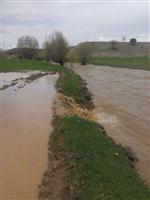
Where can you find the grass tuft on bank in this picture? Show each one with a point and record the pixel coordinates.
(69, 83)
(123, 62)
(99, 169)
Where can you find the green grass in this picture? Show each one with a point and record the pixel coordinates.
(123, 62)
(13, 65)
(97, 173)
(69, 83)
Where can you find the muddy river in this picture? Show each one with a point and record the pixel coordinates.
(122, 107)
(26, 113)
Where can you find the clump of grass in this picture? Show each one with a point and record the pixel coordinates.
(100, 170)
(123, 62)
(69, 83)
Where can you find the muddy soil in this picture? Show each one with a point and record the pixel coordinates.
(26, 114)
(122, 104)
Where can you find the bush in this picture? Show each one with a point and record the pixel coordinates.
(83, 53)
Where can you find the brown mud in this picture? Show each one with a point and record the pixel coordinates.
(53, 184)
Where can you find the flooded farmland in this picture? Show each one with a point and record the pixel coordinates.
(122, 107)
(26, 113)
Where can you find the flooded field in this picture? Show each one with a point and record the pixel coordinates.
(122, 107)
(26, 114)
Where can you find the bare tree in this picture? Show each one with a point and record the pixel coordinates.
(47, 48)
(27, 46)
(83, 52)
(113, 44)
(56, 47)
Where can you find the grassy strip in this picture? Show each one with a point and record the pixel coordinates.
(100, 170)
(69, 83)
(123, 62)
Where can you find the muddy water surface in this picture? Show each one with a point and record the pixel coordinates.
(122, 107)
(7, 78)
(26, 116)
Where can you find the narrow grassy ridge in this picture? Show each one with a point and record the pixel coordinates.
(123, 62)
(69, 83)
(100, 170)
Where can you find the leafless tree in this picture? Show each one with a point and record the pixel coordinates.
(27, 46)
(56, 47)
(47, 49)
(83, 52)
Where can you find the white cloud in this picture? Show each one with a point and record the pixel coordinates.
(79, 21)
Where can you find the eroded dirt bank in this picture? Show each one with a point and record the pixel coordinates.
(26, 116)
(122, 107)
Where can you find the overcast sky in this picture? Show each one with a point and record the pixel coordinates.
(78, 20)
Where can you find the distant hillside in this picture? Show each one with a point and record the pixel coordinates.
(122, 49)
(99, 49)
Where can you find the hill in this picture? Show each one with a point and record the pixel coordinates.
(104, 49)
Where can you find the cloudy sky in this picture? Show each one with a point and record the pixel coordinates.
(79, 20)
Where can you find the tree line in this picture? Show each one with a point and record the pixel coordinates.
(55, 46)
(56, 49)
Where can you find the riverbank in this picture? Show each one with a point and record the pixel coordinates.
(142, 63)
(91, 166)
(121, 96)
(83, 162)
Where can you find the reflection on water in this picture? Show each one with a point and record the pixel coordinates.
(26, 117)
(122, 97)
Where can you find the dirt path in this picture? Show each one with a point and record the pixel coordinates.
(122, 107)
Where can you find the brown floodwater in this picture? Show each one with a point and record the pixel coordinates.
(26, 115)
(123, 107)
(7, 78)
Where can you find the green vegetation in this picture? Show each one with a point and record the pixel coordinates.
(123, 62)
(100, 170)
(69, 83)
(14, 65)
